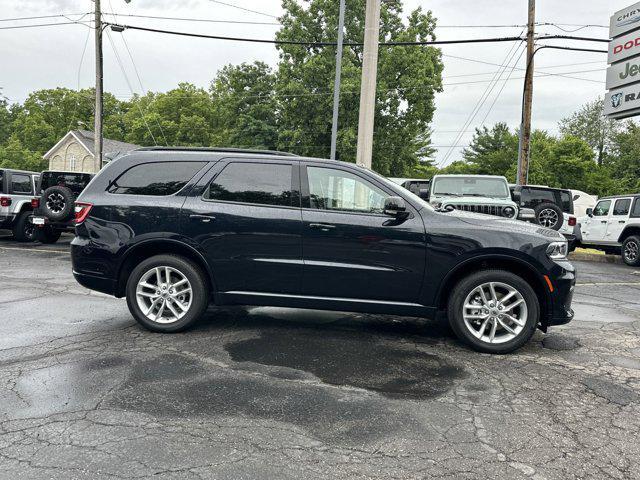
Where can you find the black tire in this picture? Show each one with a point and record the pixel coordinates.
(467, 285)
(23, 229)
(199, 292)
(57, 203)
(548, 212)
(48, 235)
(631, 251)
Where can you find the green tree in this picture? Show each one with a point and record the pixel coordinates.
(492, 151)
(590, 124)
(408, 78)
(14, 155)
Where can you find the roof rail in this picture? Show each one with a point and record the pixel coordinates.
(216, 149)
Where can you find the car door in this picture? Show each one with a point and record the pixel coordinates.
(594, 228)
(618, 219)
(245, 216)
(351, 248)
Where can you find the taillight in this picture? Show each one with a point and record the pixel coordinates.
(5, 201)
(82, 211)
(35, 203)
(572, 221)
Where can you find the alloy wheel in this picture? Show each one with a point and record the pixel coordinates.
(631, 251)
(495, 312)
(548, 218)
(55, 202)
(164, 294)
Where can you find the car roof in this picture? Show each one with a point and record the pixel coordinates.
(13, 170)
(455, 175)
(619, 196)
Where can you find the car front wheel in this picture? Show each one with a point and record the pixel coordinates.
(494, 311)
(167, 293)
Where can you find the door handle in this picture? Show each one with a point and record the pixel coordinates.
(621, 221)
(202, 218)
(603, 221)
(325, 227)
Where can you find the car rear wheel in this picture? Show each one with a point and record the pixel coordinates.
(549, 215)
(23, 229)
(167, 293)
(494, 311)
(631, 251)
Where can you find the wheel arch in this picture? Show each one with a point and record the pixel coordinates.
(628, 231)
(150, 248)
(503, 262)
(24, 206)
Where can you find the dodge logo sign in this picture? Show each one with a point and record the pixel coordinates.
(616, 100)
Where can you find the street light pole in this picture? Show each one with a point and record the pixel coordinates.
(368, 86)
(97, 153)
(336, 85)
(524, 146)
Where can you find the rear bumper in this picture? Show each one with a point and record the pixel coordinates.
(88, 270)
(93, 282)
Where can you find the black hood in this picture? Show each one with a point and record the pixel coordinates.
(505, 225)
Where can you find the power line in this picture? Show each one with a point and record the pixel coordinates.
(15, 27)
(185, 19)
(243, 8)
(313, 43)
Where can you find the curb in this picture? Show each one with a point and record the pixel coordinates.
(597, 258)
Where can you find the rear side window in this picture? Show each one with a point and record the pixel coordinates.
(567, 202)
(73, 181)
(636, 208)
(261, 183)
(21, 183)
(155, 179)
(622, 206)
(1, 181)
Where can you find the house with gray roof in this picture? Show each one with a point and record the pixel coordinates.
(74, 152)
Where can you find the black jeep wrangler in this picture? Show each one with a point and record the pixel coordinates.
(55, 212)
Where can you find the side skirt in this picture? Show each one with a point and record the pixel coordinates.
(324, 303)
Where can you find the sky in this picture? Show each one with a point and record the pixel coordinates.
(48, 57)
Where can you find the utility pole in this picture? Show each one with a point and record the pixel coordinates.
(97, 153)
(336, 85)
(524, 146)
(368, 86)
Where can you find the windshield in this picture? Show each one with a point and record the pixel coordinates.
(471, 186)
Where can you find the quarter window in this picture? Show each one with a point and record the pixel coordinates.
(331, 189)
(261, 183)
(602, 208)
(622, 206)
(155, 179)
(635, 212)
(21, 183)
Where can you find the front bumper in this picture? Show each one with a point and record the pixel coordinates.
(563, 282)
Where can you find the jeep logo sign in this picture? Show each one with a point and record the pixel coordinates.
(624, 47)
(624, 20)
(623, 73)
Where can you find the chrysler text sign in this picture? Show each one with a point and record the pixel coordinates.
(624, 47)
(622, 102)
(624, 20)
(623, 73)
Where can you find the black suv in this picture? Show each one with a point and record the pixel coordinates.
(548, 204)
(175, 229)
(55, 209)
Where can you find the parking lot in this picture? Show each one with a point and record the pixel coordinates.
(273, 393)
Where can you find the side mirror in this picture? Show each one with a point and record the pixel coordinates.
(516, 195)
(395, 207)
(576, 197)
(590, 212)
(424, 193)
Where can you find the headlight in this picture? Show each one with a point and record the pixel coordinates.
(509, 212)
(557, 250)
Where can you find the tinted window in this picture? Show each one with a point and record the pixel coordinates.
(155, 179)
(534, 196)
(20, 183)
(74, 181)
(636, 208)
(622, 206)
(332, 189)
(263, 183)
(602, 208)
(486, 187)
(1, 181)
(567, 201)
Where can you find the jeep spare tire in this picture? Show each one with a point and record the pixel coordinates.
(549, 215)
(57, 203)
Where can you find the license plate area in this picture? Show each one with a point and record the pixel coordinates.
(38, 220)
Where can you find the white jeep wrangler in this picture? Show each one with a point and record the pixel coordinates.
(17, 190)
(613, 226)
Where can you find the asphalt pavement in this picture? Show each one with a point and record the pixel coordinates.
(276, 393)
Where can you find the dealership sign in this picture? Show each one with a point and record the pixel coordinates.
(623, 74)
(625, 20)
(622, 102)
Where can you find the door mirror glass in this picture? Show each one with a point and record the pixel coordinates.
(395, 206)
(590, 212)
(576, 197)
